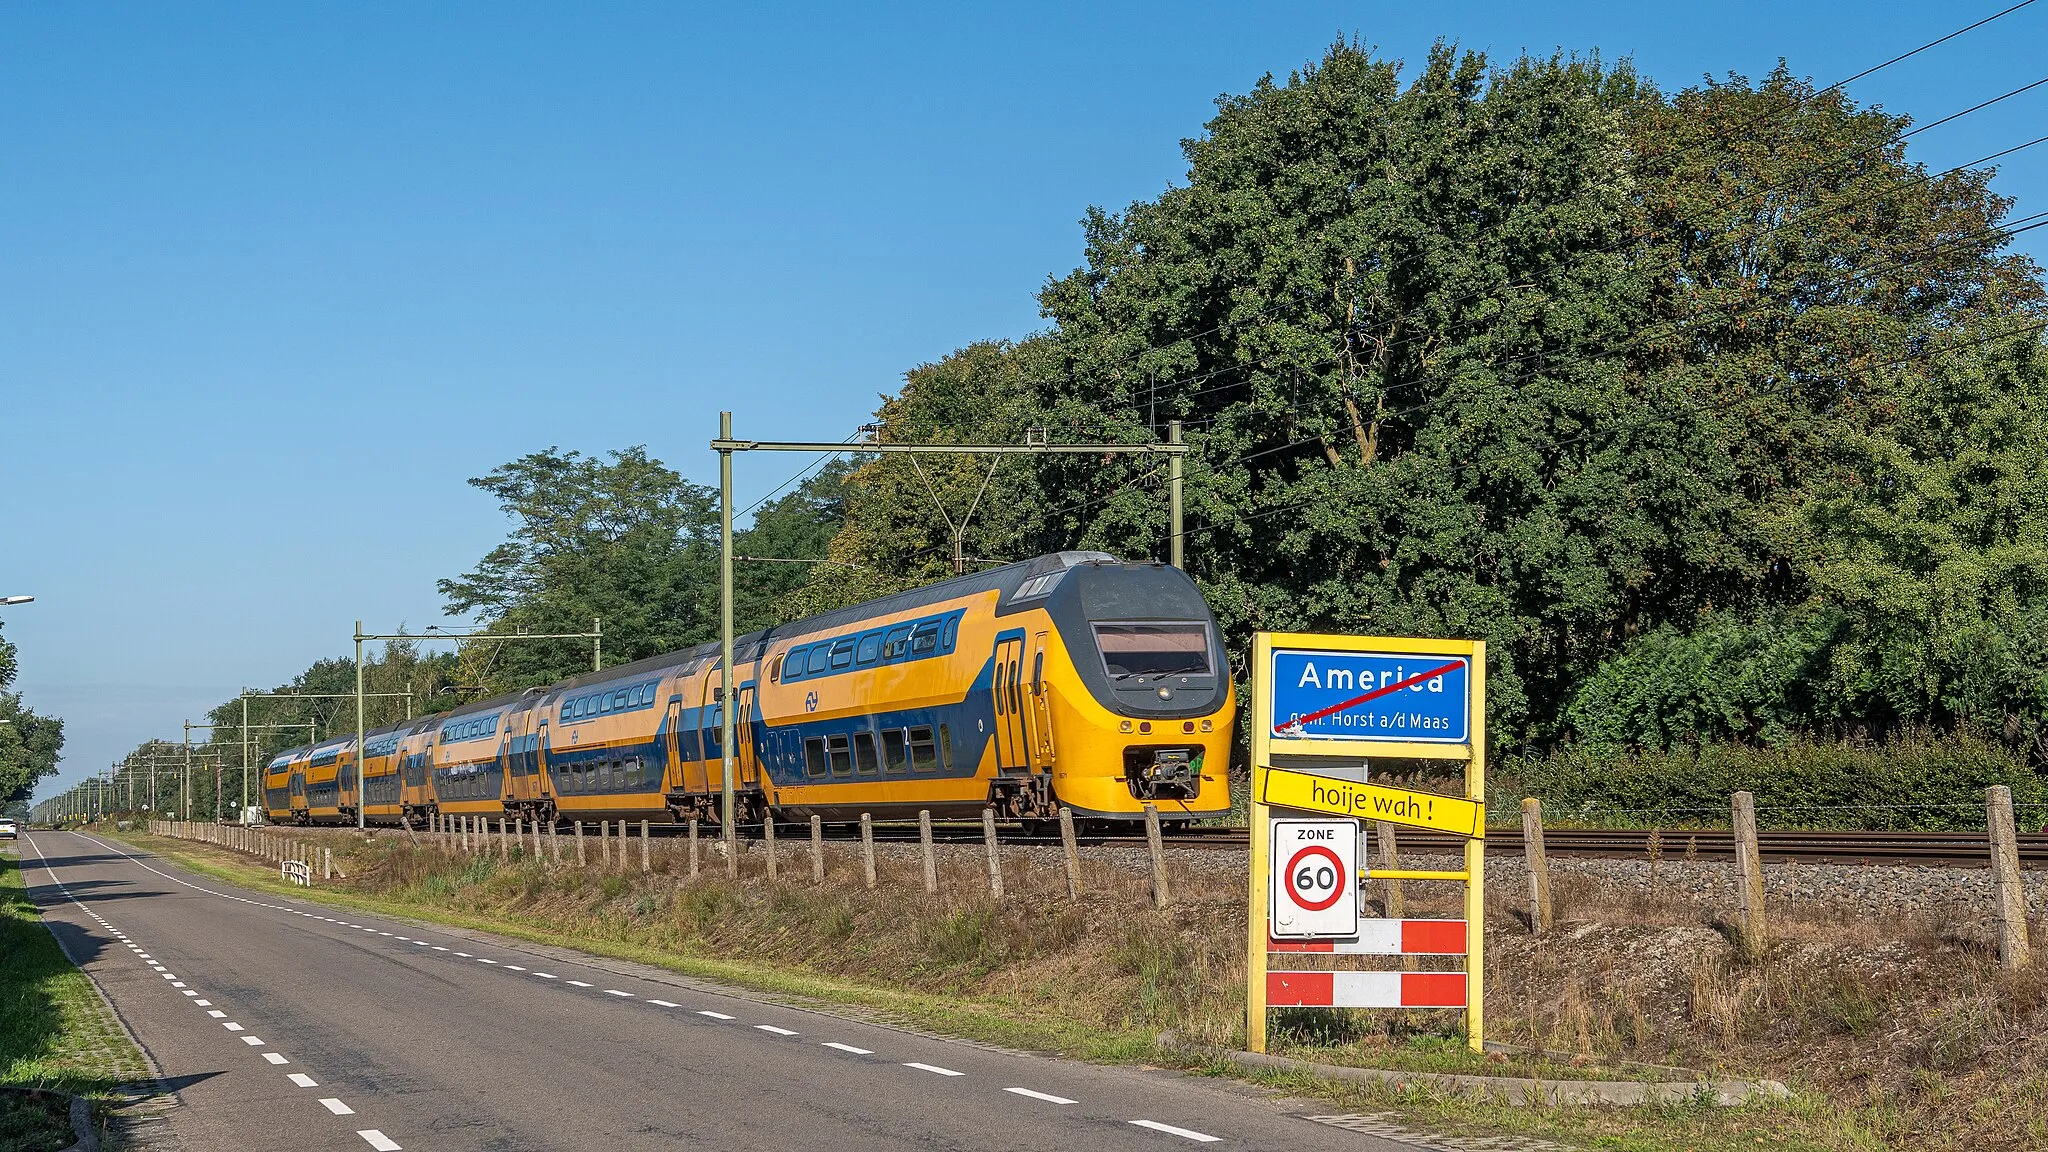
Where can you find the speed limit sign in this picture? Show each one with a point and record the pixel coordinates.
(1315, 879)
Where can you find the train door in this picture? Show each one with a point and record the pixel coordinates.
(518, 786)
(672, 771)
(298, 800)
(1038, 703)
(747, 764)
(1012, 749)
(540, 764)
(708, 777)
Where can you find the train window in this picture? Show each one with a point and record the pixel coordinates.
(923, 755)
(621, 700)
(635, 776)
(1038, 674)
(1016, 689)
(842, 654)
(870, 649)
(1001, 670)
(946, 746)
(952, 630)
(604, 776)
(1153, 649)
(897, 643)
(841, 753)
(864, 760)
(895, 751)
(819, 654)
(814, 757)
(924, 639)
(775, 670)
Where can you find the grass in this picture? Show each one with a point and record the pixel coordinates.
(57, 1036)
(1894, 1035)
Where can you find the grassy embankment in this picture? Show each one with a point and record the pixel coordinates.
(56, 1034)
(1894, 1035)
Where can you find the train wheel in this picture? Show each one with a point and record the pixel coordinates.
(1038, 828)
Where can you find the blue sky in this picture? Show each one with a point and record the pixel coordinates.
(275, 279)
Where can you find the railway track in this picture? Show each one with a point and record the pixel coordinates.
(1930, 849)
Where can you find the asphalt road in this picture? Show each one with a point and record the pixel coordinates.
(281, 1025)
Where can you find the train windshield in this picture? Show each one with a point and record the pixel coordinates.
(1153, 649)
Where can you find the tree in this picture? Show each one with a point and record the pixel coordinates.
(30, 745)
(628, 541)
(1539, 354)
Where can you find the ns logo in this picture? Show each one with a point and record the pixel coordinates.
(811, 702)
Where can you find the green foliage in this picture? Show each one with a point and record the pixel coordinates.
(1916, 781)
(29, 743)
(1694, 406)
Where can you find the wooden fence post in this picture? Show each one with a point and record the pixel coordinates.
(867, 847)
(646, 858)
(582, 857)
(693, 847)
(730, 833)
(327, 870)
(2011, 897)
(995, 858)
(817, 850)
(1072, 852)
(1540, 911)
(924, 836)
(768, 838)
(1389, 858)
(1162, 895)
(1755, 931)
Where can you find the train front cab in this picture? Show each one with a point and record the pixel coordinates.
(1127, 695)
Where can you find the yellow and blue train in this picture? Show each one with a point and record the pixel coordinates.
(1073, 679)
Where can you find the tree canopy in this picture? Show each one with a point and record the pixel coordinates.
(29, 743)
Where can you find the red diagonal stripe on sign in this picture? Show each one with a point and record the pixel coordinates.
(1375, 694)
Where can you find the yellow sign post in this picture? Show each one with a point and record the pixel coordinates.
(1316, 698)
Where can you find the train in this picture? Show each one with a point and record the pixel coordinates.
(1072, 680)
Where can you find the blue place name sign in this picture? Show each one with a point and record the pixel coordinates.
(1407, 697)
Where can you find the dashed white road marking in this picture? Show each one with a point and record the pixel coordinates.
(774, 1029)
(217, 1014)
(713, 1015)
(204, 1003)
(616, 992)
(481, 960)
(1045, 1096)
(232, 1026)
(188, 992)
(513, 968)
(379, 1141)
(304, 1081)
(931, 1068)
(1185, 1133)
(849, 1048)
(337, 1107)
(275, 1058)
(663, 1004)
(253, 1041)
(580, 984)
(465, 955)
(546, 975)
(440, 948)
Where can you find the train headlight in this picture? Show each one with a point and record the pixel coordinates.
(1166, 693)
(1124, 727)
(1208, 725)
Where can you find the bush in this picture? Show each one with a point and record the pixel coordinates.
(1917, 782)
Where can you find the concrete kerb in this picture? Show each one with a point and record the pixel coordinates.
(1513, 1089)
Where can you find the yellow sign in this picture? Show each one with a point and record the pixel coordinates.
(1314, 793)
